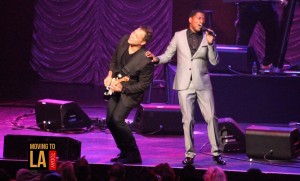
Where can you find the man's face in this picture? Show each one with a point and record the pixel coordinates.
(137, 37)
(197, 21)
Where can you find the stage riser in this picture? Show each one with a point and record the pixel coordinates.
(255, 99)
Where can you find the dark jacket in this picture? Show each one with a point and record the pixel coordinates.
(139, 69)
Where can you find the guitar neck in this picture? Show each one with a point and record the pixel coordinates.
(123, 79)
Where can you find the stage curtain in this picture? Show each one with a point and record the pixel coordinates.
(73, 40)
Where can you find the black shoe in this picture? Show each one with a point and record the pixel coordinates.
(119, 156)
(188, 161)
(131, 160)
(219, 160)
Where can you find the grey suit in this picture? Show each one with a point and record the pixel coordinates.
(199, 88)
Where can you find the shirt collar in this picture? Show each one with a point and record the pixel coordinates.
(190, 33)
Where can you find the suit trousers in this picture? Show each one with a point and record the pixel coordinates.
(117, 112)
(249, 14)
(205, 101)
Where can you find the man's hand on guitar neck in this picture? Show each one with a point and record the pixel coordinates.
(116, 87)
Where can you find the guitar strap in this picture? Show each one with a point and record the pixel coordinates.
(132, 67)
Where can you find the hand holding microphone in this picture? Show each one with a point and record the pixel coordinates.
(209, 31)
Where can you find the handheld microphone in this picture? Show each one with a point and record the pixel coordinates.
(210, 32)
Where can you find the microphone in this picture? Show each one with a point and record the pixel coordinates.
(210, 32)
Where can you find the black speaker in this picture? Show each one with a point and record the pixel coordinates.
(272, 142)
(158, 119)
(232, 137)
(16, 146)
(239, 58)
(60, 114)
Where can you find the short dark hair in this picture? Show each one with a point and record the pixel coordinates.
(149, 32)
(195, 11)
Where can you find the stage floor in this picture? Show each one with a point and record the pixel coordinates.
(17, 118)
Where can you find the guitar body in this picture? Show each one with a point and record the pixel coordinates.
(108, 92)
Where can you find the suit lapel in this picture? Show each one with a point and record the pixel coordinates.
(203, 43)
(185, 44)
(122, 49)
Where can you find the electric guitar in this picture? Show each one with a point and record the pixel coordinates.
(115, 81)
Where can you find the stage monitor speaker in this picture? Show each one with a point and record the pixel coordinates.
(281, 143)
(232, 137)
(16, 146)
(238, 58)
(158, 119)
(60, 114)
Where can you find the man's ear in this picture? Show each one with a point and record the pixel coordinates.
(143, 42)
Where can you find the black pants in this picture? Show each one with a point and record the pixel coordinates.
(115, 120)
(248, 16)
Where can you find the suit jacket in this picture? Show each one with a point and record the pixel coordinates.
(188, 65)
(140, 73)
